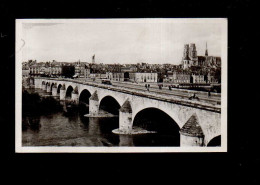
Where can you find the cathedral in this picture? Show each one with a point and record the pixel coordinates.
(190, 58)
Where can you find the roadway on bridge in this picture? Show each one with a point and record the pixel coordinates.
(154, 89)
(172, 92)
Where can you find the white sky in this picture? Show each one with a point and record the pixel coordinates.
(119, 41)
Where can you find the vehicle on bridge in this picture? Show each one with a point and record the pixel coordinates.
(187, 85)
(106, 81)
(75, 76)
(192, 86)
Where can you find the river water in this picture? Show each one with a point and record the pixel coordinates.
(61, 128)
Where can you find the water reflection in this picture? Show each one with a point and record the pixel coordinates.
(32, 122)
(126, 140)
(73, 129)
(93, 126)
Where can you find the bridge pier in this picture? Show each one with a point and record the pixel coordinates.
(63, 92)
(31, 81)
(191, 133)
(44, 87)
(54, 90)
(93, 104)
(125, 118)
(48, 89)
(75, 97)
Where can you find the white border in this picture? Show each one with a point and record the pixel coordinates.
(18, 91)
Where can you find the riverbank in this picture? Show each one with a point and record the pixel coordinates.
(34, 105)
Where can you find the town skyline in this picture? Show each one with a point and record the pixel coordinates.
(152, 42)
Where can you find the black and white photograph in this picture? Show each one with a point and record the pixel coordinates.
(121, 85)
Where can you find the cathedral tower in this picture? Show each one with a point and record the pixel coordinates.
(186, 59)
(186, 51)
(193, 54)
(192, 51)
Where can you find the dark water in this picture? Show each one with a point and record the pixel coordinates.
(61, 128)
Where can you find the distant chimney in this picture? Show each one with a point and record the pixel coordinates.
(206, 52)
(93, 59)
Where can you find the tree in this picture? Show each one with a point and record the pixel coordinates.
(68, 71)
(217, 74)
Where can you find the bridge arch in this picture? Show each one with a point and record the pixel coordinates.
(119, 98)
(69, 92)
(109, 104)
(154, 119)
(52, 85)
(83, 87)
(58, 88)
(216, 141)
(84, 96)
(172, 110)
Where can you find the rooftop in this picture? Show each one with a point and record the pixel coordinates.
(186, 57)
(192, 127)
(126, 107)
(94, 96)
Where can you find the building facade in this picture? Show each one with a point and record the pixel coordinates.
(180, 77)
(26, 72)
(38, 70)
(198, 79)
(118, 76)
(143, 77)
(133, 77)
(54, 71)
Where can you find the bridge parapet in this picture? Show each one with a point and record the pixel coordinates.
(167, 98)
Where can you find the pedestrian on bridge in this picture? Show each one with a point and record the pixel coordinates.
(209, 94)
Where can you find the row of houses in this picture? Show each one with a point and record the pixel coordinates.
(40, 70)
(175, 77)
(127, 73)
(133, 77)
(138, 77)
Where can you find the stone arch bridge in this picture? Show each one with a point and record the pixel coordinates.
(199, 122)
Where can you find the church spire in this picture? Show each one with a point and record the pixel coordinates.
(206, 52)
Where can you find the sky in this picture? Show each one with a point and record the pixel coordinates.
(118, 41)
